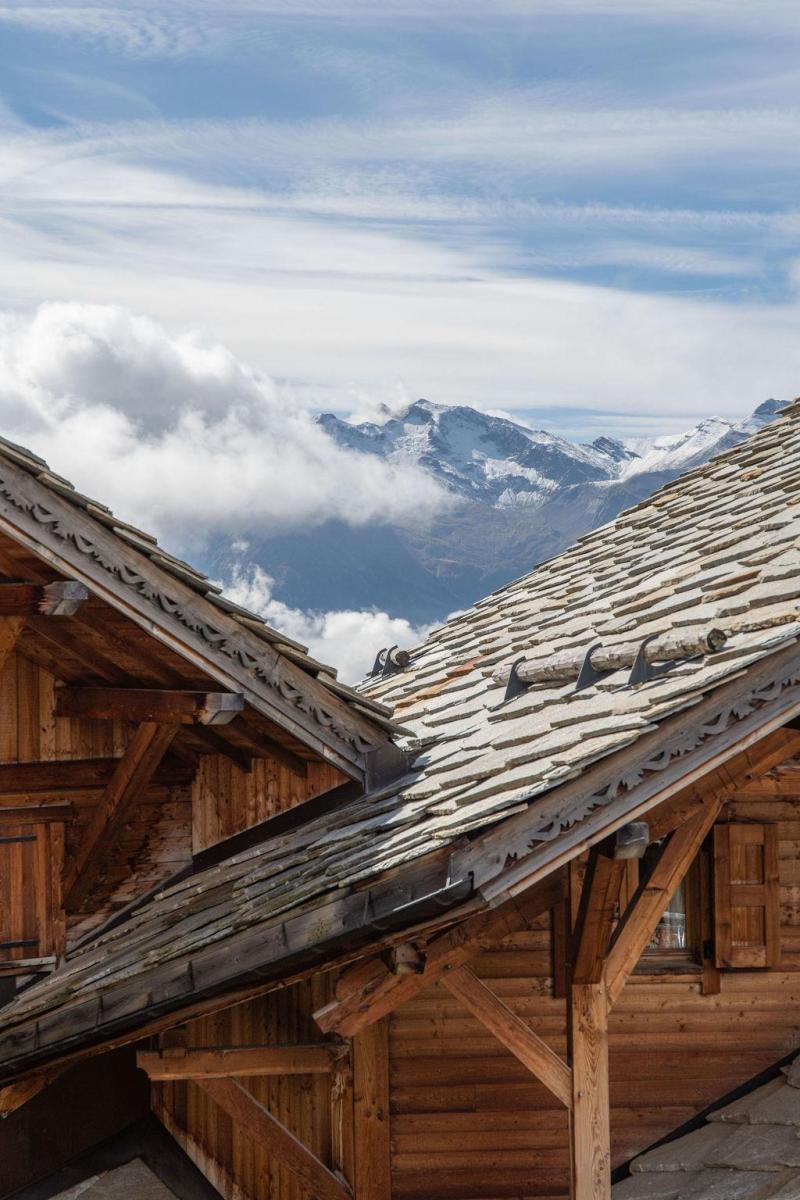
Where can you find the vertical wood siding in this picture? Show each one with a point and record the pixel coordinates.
(154, 844)
(227, 800)
(238, 1168)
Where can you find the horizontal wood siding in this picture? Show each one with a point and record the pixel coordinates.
(238, 1168)
(470, 1123)
(227, 800)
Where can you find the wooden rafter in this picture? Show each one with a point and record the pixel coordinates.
(59, 599)
(371, 991)
(254, 1120)
(131, 778)
(171, 611)
(511, 1030)
(14, 1095)
(35, 813)
(149, 704)
(227, 1061)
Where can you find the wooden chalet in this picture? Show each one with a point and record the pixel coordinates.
(495, 924)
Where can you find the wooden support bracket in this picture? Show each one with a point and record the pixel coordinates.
(370, 990)
(636, 928)
(511, 1030)
(14, 1095)
(258, 1123)
(598, 908)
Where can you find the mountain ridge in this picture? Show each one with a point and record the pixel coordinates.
(517, 495)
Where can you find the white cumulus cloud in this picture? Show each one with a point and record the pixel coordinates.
(347, 639)
(177, 434)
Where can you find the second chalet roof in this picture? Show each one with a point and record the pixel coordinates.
(748, 1150)
(718, 548)
(126, 538)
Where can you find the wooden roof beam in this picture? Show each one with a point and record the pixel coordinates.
(25, 783)
(132, 777)
(219, 1062)
(62, 598)
(266, 1130)
(149, 704)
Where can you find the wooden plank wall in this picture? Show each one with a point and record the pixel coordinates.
(232, 1162)
(469, 1123)
(226, 800)
(153, 845)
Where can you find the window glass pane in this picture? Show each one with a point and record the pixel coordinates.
(670, 933)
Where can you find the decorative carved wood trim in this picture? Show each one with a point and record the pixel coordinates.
(34, 515)
(626, 785)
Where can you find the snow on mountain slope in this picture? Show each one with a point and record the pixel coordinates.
(499, 462)
(520, 496)
(684, 451)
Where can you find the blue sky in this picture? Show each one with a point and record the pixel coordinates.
(581, 211)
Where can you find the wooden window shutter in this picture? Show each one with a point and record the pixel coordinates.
(746, 895)
(31, 919)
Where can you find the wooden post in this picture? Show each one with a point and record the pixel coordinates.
(373, 1176)
(590, 1127)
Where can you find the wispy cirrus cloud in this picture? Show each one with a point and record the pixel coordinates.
(140, 31)
(362, 207)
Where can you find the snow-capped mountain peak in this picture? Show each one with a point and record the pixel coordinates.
(500, 462)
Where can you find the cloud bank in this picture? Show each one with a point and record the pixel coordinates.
(180, 437)
(347, 639)
(177, 434)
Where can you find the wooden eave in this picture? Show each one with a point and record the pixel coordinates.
(220, 645)
(347, 922)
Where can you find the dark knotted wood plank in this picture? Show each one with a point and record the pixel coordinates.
(130, 780)
(258, 1123)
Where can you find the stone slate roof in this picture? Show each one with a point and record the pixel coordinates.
(132, 1179)
(748, 1150)
(719, 547)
